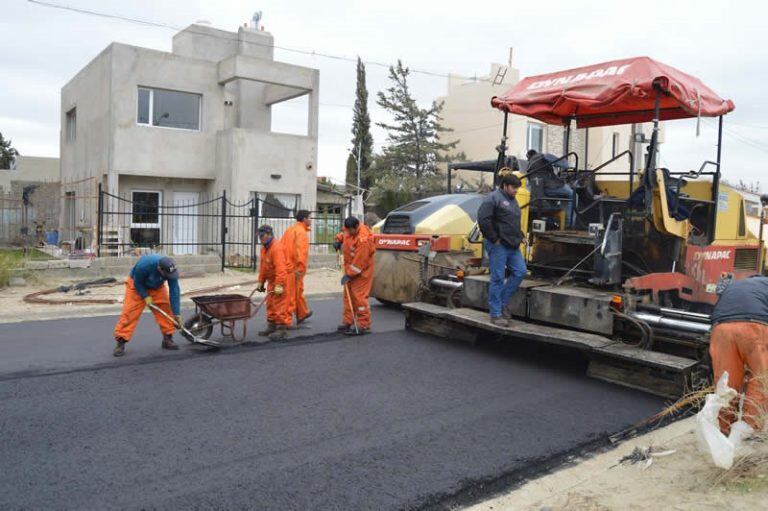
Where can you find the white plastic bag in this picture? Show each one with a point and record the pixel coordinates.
(722, 449)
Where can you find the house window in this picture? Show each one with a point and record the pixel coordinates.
(71, 125)
(145, 218)
(277, 205)
(614, 145)
(168, 109)
(535, 137)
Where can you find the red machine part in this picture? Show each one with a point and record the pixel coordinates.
(411, 242)
(703, 268)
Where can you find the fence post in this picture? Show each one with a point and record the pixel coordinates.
(223, 228)
(254, 230)
(98, 222)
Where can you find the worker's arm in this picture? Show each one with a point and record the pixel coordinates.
(302, 249)
(139, 275)
(485, 220)
(280, 264)
(175, 294)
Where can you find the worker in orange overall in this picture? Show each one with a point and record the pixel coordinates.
(740, 338)
(273, 277)
(358, 250)
(147, 285)
(295, 240)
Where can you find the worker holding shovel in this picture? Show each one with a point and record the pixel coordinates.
(146, 286)
(358, 249)
(273, 277)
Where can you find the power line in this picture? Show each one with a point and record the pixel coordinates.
(312, 53)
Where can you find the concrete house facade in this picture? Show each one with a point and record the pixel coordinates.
(172, 129)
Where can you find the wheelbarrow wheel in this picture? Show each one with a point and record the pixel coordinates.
(199, 325)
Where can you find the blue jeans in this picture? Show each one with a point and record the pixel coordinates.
(564, 192)
(500, 258)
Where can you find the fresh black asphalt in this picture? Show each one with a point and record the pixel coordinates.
(390, 420)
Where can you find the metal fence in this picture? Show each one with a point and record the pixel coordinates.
(207, 225)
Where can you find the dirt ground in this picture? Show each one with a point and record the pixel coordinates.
(683, 480)
(13, 308)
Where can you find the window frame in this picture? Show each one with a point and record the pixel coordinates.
(615, 140)
(528, 132)
(150, 124)
(70, 125)
(144, 225)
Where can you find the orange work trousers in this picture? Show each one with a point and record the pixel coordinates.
(280, 308)
(732, 346)
(300, 303)
(358, 288)
(133, 306)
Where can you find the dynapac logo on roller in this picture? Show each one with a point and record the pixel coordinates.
(715, 255)
(391, 241)
(566, 80)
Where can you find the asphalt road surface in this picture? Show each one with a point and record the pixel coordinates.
(390, 420)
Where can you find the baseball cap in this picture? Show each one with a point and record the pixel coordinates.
(265, 229)
(167, 268)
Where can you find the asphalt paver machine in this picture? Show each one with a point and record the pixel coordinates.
(632, 282)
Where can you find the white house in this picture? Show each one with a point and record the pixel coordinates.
(172, 129)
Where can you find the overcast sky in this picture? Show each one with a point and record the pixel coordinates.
(723, 43)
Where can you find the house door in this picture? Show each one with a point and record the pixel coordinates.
(185, 206)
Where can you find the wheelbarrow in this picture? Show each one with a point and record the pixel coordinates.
(223, 310)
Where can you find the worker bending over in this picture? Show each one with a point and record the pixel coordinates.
(740, 338)
(295, 240)
(499, 221)
(147, 285)
(358, 249)
(273, 277)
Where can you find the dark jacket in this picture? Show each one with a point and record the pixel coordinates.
(146, 276)
(539, 167)
(499, 219)
(743, 300)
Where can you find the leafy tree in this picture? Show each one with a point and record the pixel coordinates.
(414, 143)
(8, 153)
(362, 140)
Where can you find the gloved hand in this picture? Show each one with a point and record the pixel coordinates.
(260, 287)
(337, 245)
(148, 301)
(278, 290)
(345, 279)
(179, 320)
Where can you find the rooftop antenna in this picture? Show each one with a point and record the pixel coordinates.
(256, 20)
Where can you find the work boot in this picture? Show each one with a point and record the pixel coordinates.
(302, 320)
(359, 331)
(279, 333)
(120, 348)
(343, 328)
(168, 343)
(270, 328)
(499, 321)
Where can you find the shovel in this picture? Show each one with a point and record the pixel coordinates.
(179, 326)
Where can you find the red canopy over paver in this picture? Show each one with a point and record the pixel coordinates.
(617, 92)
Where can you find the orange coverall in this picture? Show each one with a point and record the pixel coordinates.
(358, 253)
(133, 306)
(732, 345)
(296, 243)
(273, 269)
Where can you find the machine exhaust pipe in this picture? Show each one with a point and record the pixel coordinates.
(672, 323)
(446, 284)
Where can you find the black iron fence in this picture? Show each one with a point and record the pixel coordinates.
(202, 225)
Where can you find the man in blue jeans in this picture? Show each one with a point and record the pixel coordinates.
(499, 221)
